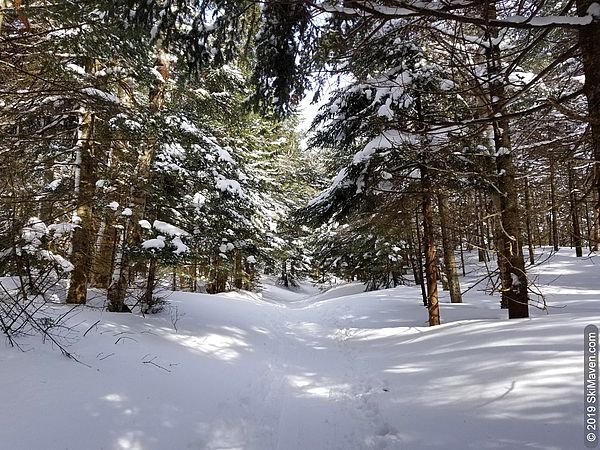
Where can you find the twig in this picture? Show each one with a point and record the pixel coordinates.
(89, 329)
(124, 337)
(156, 365)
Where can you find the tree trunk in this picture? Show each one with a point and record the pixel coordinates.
(462, 257)
(430, 253)
(574, 215)
(82, 246)
(418, 254)
(118, 284)
(284, 275)
(104, 255)
(510, 256)
(553, 205)
(482, 250)
(46, 202)
(449, 259)
(139, 192)
(148, 298)
(589, 37)
(528, 223)
(238, 278)
(195, 276)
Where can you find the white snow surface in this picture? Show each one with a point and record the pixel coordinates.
(309, 370)
(156, 243)
(168, 228)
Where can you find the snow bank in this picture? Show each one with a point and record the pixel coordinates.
(303, 369)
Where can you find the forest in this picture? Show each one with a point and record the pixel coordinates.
(160, 146)
(156, 139)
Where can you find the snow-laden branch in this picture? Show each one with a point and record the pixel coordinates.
(407, 9)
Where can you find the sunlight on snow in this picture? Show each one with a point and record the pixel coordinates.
(537, 390)
(129, 442)
(219, 346)
(313, 389)
(404, 369)
(225, 435)
(565, 290)
(114, 398)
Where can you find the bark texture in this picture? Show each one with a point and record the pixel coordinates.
(82, 244)
(449, 259)
(430, 252)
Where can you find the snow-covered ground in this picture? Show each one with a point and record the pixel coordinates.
(311, 370)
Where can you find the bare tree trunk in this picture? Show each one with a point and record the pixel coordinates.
(118, 284)
(462, 257)
(46, 203)
(449, 259)
(148, 298)
(499, 244)
(194, 276)
(82, 246)
(250, 269)
(528, 223)
(515, 293)
(482, 250)
(284, 275)
(589, 37)
(553, 205)
(418, 254)
(139, 192)
(104, 255)
(430, 253)
(574, 214)
(3, 5)
(238, 280)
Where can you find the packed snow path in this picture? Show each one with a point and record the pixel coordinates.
(339, 370)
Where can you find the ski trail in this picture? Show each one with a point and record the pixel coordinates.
(367, 389)
(317, 394)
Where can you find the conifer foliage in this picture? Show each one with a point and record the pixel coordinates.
(150, 142)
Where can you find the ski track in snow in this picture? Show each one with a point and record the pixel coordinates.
(347, 403)
(305, 370)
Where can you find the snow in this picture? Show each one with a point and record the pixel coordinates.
(113, 205)
(199, 200)
(397, 12)
(447, 85)
(157, 243)
(224, 155)
(340, 180)
(32, 233)
(106, 96)
(65, 265)
(54, 184)
(231, 186)
(75, 68)
(169, 229)
(553, 20)
(387, 139)
(385, 110)
(594, 10)
(304, 369)
(502, 151)
(180, 247)
(60, 229)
